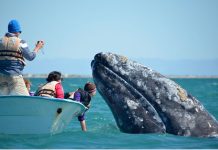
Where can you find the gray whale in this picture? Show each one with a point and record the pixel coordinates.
(144, 101)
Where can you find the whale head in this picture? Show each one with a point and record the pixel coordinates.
(144, 101)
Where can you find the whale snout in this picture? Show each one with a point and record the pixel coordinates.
(144, 101)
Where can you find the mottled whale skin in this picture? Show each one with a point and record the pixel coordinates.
(144, 101)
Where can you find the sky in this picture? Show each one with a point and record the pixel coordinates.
(173, 37)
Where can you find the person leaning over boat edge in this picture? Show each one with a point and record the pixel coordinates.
(83, 96)
(53, 87)
(13, 52)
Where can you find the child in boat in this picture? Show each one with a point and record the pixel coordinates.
(28, 86)
(83, 96)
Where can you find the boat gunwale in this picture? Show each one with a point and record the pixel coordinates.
(42, 98)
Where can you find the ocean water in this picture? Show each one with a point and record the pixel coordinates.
(103, 131)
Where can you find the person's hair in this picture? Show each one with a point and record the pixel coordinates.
(90, 87)
(54, 76)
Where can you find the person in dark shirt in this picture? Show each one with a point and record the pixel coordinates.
(84, 96)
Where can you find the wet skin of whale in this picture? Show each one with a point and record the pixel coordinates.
(144, 101)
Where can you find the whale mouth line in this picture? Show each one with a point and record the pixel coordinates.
(120, 77)
(127, 84)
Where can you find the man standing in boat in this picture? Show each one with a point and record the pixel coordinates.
(13, 52)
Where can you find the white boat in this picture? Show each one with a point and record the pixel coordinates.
(36, 115)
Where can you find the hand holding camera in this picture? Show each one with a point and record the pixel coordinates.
(40, 44)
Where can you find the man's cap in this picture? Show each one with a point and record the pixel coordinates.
(14, 26)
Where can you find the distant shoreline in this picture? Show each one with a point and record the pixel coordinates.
(63, 75)
(89, 76)
(193, 76)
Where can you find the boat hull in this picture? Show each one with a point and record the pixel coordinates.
(36, 115)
